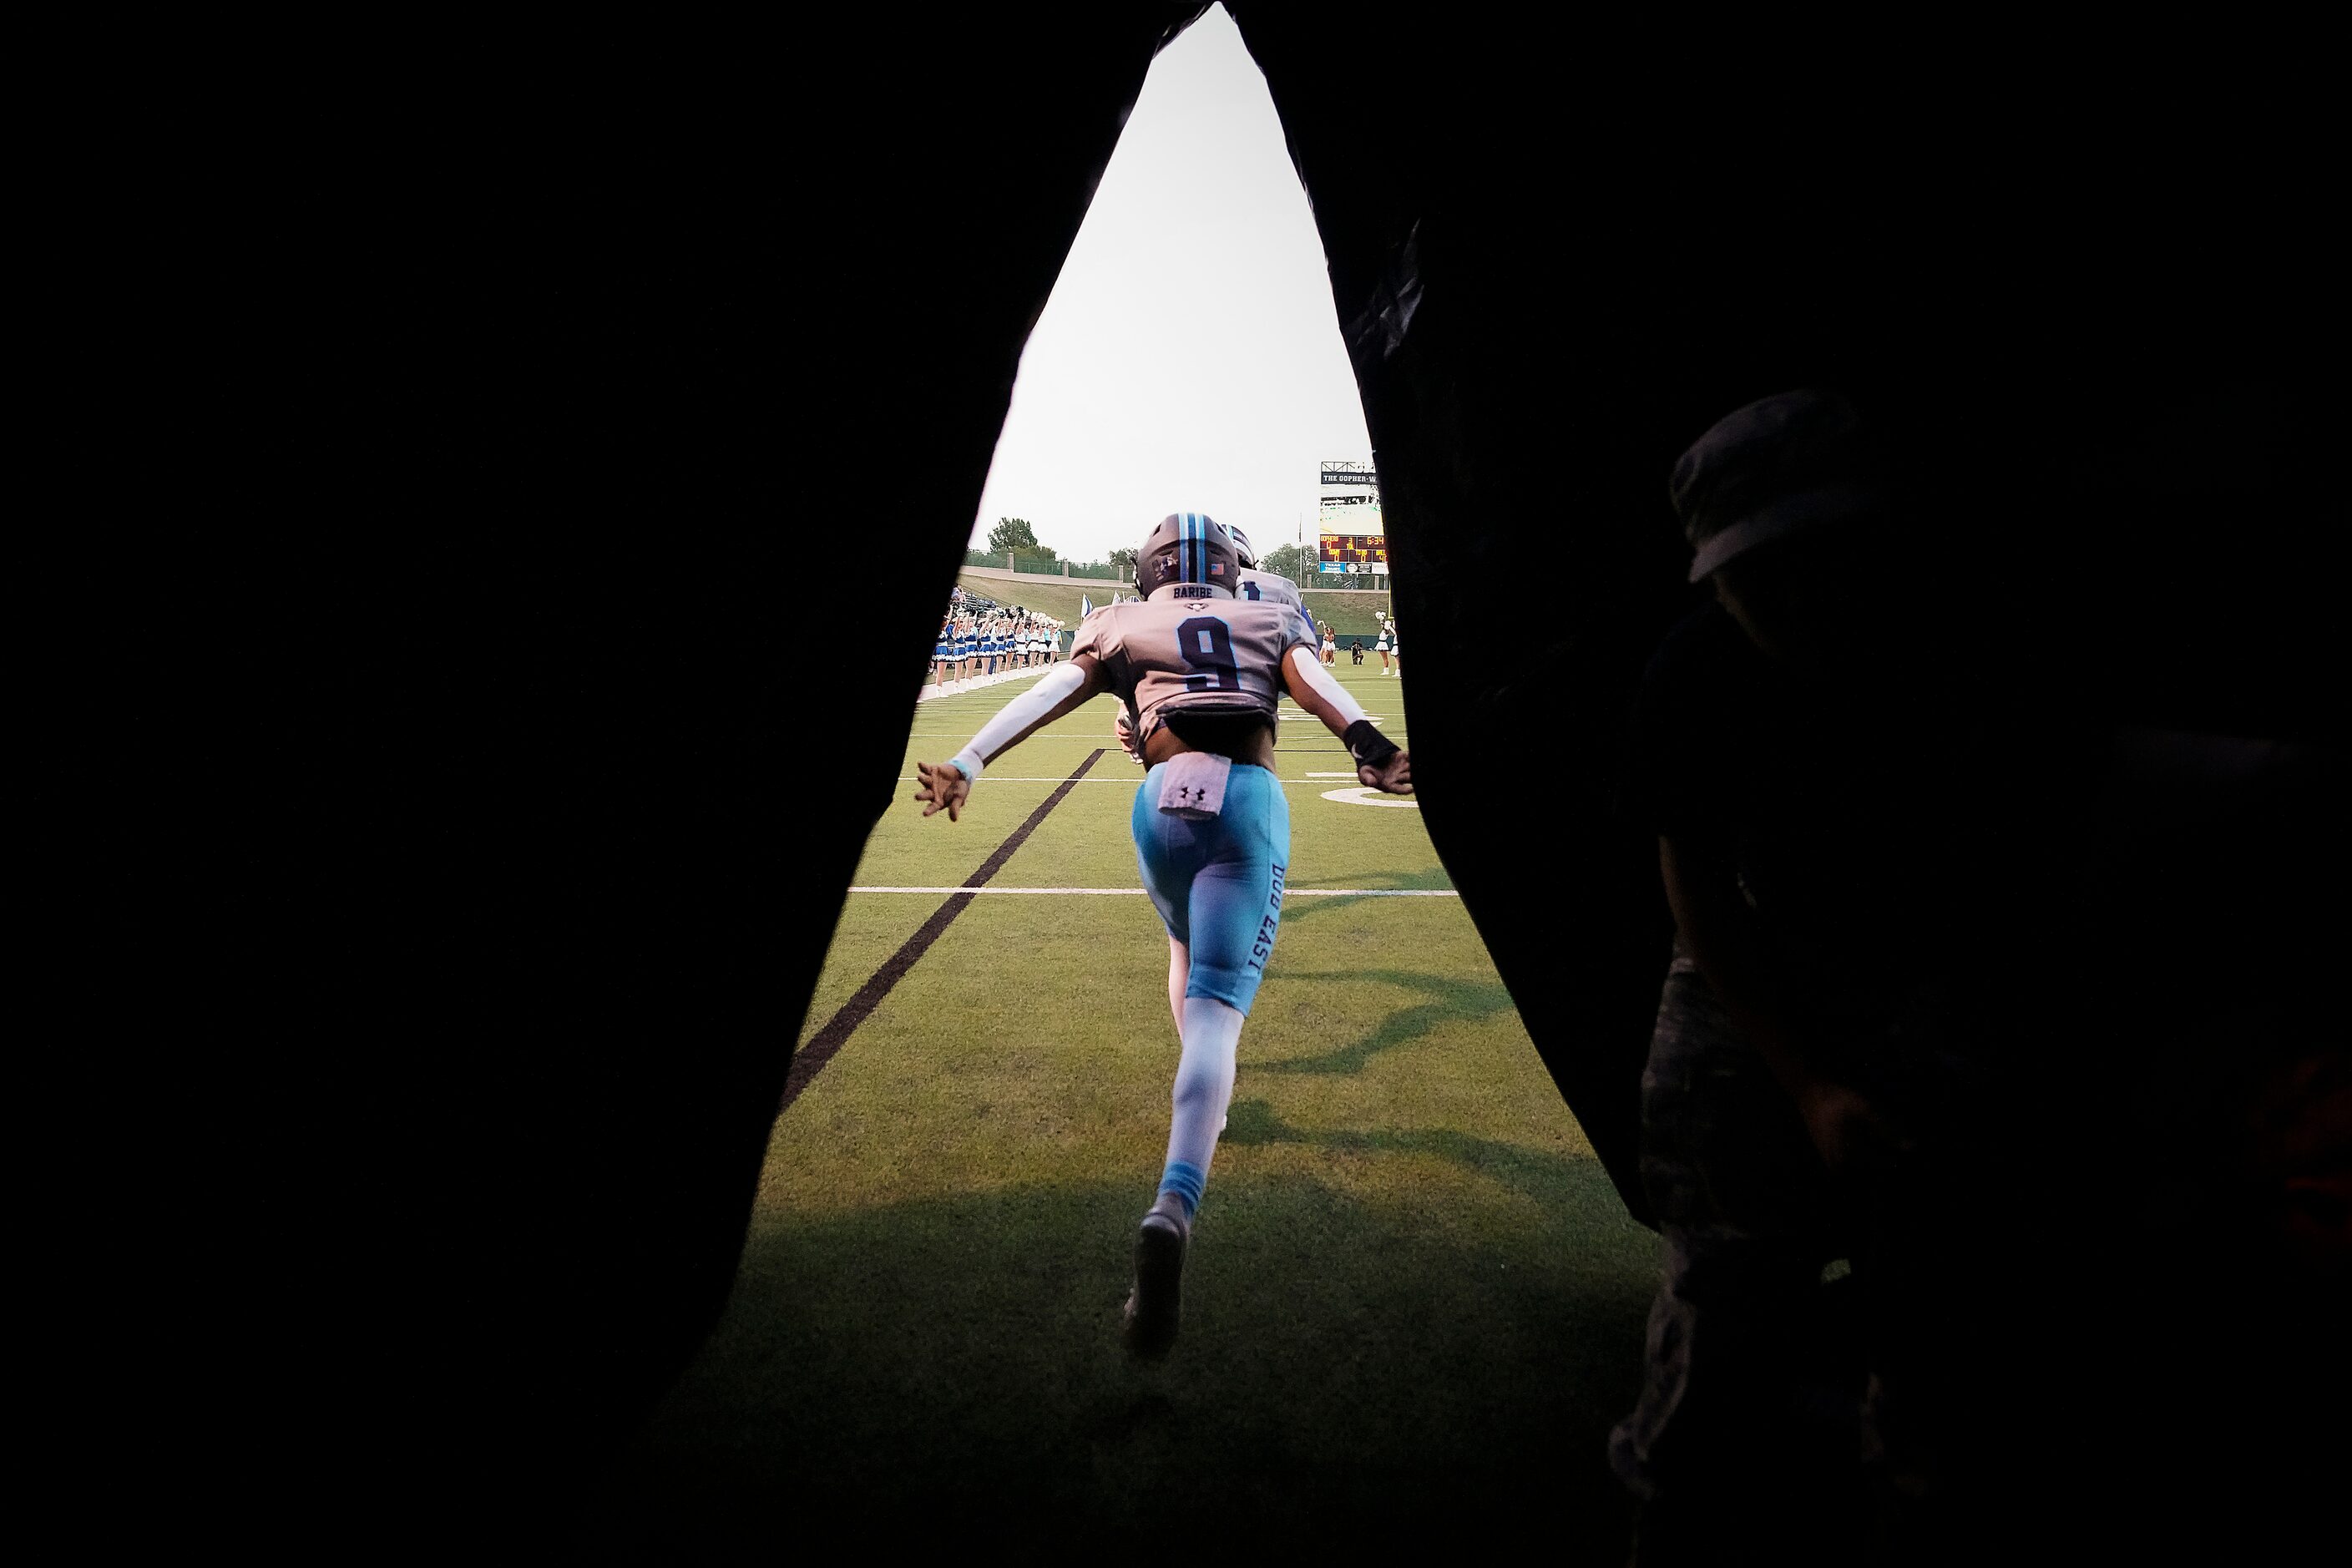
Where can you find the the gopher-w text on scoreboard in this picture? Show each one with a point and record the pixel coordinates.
(1351, 540)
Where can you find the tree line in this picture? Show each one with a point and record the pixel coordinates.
(1017, 535)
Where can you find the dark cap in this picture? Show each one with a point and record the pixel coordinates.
(1790, 462)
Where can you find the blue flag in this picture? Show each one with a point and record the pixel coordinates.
(1086, 606)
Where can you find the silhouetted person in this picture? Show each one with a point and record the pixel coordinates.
(1844, 808)
(1746, 1435)
(1744, 1446)
(2015, 966)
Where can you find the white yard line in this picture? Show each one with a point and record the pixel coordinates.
(965, 734)
(1310, 782)
(1362, 796)
(1137, 892)
(932, 692)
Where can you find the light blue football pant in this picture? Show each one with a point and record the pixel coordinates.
(1217, 882)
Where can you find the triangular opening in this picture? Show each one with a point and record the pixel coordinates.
(1189, 358)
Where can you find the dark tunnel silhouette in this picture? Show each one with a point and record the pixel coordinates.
(511, 383)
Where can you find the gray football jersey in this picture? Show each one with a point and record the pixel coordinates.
(1266, 586)
(1204, 655)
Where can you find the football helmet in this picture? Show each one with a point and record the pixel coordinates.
(1187, 547)
(1242, 546)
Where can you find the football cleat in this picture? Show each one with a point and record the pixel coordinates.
(1155, 1304)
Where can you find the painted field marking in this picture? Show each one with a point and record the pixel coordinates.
(1131, 779)
(1360, 796)
(1288, 749)
(1137, 892)
(1064, 735)
(810, 1059)
(932, 692)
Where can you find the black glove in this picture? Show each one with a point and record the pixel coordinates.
(1368, 745)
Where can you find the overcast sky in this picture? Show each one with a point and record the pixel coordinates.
(1189, 360)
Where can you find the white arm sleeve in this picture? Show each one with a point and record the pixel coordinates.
(1054, 689)
(1310, 672)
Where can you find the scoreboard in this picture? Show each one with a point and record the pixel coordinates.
(1348, 518)
(1355, 553)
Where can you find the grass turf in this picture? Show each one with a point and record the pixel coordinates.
(1412, 1303)
(1045, 598)
(1348, 611)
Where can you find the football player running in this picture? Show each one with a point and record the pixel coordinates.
(1201, 672)
(1253, 584)
(1257, 585)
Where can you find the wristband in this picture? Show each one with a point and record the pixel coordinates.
(1024, 714)
(1368, 745)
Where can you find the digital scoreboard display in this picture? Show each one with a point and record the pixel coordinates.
(1354, 553)
(1356, 547)
(1348, 519)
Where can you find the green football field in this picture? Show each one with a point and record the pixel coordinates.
(1412, 1301)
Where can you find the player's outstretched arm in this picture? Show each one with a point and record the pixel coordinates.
(1380, 764)
(946, 786)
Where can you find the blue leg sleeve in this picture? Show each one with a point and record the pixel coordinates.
(1217, 884)
(1167, 853)
(1236, 904)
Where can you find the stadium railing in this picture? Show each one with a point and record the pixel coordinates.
(1046, 565)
